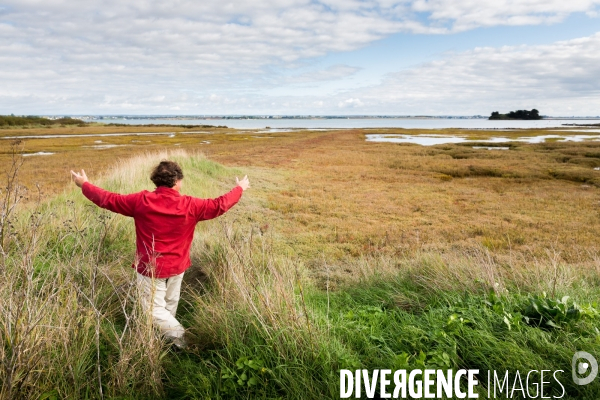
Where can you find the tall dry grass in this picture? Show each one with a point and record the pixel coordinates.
(70, 322)
(70, 319)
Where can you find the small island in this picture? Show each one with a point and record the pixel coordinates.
(519, 114)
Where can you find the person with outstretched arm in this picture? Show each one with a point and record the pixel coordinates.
(164, 229)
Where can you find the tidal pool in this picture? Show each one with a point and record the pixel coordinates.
(432, 140)
(39, 153)
(105, 146)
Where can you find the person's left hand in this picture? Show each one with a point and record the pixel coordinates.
(244, 183)
(80, 178)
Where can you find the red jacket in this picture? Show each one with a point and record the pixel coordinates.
(164, 223)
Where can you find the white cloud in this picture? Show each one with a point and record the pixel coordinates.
(469, 14)
(331, 73)
(559, 79)
(101, 56)
(550, 78)
(350, 103)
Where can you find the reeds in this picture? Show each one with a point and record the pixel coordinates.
(69, 315)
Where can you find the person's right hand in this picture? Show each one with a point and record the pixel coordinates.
(244, 183)
(79, 179)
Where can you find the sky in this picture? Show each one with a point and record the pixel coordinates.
(299, 57)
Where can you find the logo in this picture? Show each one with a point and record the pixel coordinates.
(583, 364)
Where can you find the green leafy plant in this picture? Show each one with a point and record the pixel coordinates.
(455, 321)
(348, 362)
(435, 359)
(512, 320)
(249, 374)
(546, 312)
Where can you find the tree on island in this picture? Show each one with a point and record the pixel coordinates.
(519, 114)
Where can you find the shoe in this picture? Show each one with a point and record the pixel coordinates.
(179, 344)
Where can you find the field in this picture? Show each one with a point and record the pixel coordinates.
(343, 254)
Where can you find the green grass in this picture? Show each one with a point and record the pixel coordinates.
(390, 324)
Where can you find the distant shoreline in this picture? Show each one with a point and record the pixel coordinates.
(288, 117)
(331, 122)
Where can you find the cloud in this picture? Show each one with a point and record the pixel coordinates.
(469, 14)
(350, 103)
(558, 79)
(550, 78)
(331, 73)
(147, 56)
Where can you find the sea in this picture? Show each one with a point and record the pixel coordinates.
(349, 123)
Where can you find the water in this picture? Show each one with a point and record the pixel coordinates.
(105, 146)
(431, 140)
(39, 153)
(490, 148)
(577, 130)
(349, 123)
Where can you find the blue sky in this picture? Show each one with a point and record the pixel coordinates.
(435, 57)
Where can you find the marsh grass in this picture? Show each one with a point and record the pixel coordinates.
(71, 323)
(62, 295)
(460, 310)
(285, 289)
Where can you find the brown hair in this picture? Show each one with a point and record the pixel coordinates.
(167, 173)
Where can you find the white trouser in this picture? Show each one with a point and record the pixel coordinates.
(161, 296)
